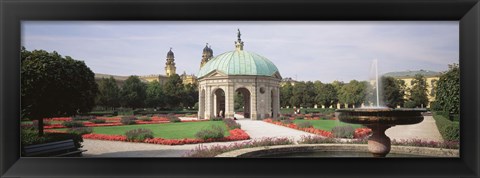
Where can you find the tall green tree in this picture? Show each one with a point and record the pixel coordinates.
(174, 91)
(134, 92)
(325, 94)
(108, 93)
(391, 92)
(353, 93)
(286, 92)
(338, 86)
(308, 99)
(238, 101)
(418, 93)
(155, 95)
(191, 95)
(448, 90)
(297, 94)
(54, 86)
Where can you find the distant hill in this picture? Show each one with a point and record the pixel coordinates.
(426, 73)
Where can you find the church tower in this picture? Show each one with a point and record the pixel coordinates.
(206, 55)
(170, 64)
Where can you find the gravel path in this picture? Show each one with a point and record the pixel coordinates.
(425, 130)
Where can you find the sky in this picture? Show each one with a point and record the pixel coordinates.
(303, 50)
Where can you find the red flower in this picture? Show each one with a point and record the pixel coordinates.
(235, 134)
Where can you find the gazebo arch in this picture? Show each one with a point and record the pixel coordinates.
(218, 100)
(247, 110)
(256, 77)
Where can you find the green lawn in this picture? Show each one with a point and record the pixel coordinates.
(169, 130)
(327, 125)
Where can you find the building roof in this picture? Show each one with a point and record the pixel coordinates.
(239, 62)
(403, 74)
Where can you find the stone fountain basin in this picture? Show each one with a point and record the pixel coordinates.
(383, 116)
(279, 150)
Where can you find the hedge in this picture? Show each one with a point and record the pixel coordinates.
(450, 130)
(101, 113)
(143, 112)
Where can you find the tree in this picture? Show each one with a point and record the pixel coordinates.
(448, 90)
(239, 101)
(133, 92)
(54, 86)
(286, 92)
(308, 99)
(418, 92)
(353, 93)
(338, 86)
(298, 94)
(191, 95)
(174, 91)
(108, 93)
(392, 92)
(155, 95)
(325, 94)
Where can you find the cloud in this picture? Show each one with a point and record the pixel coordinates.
(324, 51)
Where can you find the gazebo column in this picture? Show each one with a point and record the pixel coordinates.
(229, 102)
(201, 104)
(215, 105)
(276, 103)
(253, 104)
(208, 102)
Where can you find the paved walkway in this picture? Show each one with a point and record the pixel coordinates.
(256, 129)
(425, 130)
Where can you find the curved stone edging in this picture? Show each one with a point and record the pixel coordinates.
(261, 151)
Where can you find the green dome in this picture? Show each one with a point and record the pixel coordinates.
(239, 62)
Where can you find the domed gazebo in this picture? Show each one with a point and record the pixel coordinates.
(256, 77)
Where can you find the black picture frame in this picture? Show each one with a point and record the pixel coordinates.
(14, 11)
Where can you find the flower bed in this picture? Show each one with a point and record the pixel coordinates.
(59, 119)
(362, 132)
(359, 133)
(235, 135)
(114, 121)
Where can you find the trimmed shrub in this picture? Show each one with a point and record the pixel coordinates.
(231, 124)
(139, 134)
(145, 118)
(80, 130)
(204, 151)
(30, 137)
(343, 131)
(71, 124)
(83, 118)
(315, 140)
(35, 123)
(98, 121)
(449, 130)
(299, 117)
(287, 121)
(128, 120)
(304, 125)
(173, 118)
(284, 118)
(103, 113)
(214, 132)
(216, 118)
(147, 112)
